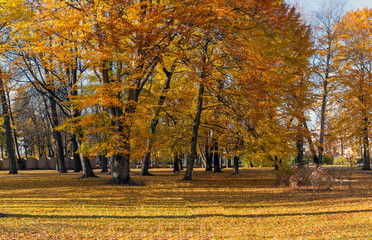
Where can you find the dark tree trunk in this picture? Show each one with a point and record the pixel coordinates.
(228, 161)
(323, 109)
(75, 113)
(311, 145)
(57, 137)
(322, 125)
(176, 163)
(155, 121)
(276, 166)
(208, 159)
(193, 154)
(181, 165)
(146, 160)
(236, 165)
(278, 162)
(216, 158)
(120, 162)
(21, 162)
(8, 130)
(75, 154)
(300, 147)
(104, 164)
(85, 163)
(366, 157)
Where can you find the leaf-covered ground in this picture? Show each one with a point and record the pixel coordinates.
(46, 205)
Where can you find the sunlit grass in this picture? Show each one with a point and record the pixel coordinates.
(46, 205)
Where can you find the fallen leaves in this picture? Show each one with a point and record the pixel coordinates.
(213, 206)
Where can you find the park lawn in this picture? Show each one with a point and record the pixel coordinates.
(46, 205)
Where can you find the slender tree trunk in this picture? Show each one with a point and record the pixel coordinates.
(324, 104)
(75, 154)
(57, 137)
(181, 165)
(85, 164)
(236, 165)
(228, 161)
(75, 113)
(300, 147)
(208, 159)
(20, 161)
(322, 121)
(155, 121)
(176, 163)
(216, 158)
(8, 130)
(194, 139)
(366, 157)
(311, 145)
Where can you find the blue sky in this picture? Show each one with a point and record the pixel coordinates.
(308, 5)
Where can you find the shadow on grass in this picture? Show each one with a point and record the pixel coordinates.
(184, 216)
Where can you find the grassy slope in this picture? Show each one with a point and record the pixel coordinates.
(45, 205)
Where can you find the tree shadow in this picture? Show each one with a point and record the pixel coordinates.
(192, 216)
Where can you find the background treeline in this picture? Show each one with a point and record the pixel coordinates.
(140, 80)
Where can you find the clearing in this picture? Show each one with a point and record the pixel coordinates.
(46, 205)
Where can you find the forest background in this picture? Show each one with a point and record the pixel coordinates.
(139, 80)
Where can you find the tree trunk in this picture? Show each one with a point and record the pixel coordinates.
(311, 145)
(176, 163)
(76, 157)
(57, 137)
(194, 139)
(155, 121)
(181, 165)
(277, 162)
(20, 161)
(228, 163)
(208, 159)
(300, 147)
(216, 158)
(85, 164)
(8, 130)
(146, 160)
(366, 158)
(236, 165)
(322, 119)
(120, 170)
(104, 164)
(120, 161)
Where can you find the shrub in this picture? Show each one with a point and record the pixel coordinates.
(327, 160)
(284, 173)
(344, 161)
(305, 176)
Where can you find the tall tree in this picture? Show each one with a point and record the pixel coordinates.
(8, 129)
(326, 29)
(355, 73)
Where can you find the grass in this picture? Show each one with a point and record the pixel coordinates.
(46, 205)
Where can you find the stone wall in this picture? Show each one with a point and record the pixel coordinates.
(43, 163)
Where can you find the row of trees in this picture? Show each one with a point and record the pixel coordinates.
(137, 79)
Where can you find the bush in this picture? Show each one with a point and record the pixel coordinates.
(327, 160)
(283, 174)
(305, 176)
(344, 161)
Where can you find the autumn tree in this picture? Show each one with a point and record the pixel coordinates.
(326, 29)
(354, 77)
